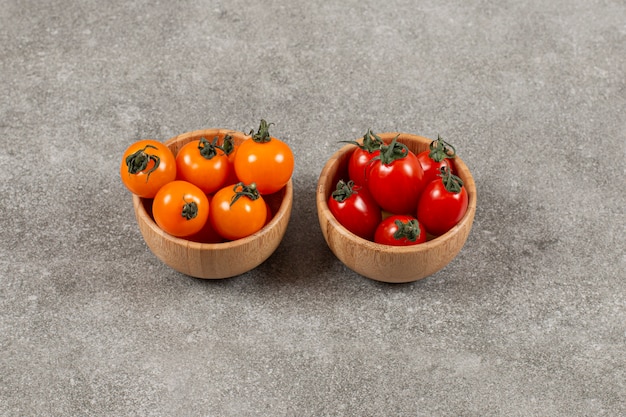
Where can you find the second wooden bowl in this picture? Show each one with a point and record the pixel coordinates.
(215, 260)
(392, 264)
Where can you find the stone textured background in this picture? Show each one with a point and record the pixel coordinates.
(528, 320)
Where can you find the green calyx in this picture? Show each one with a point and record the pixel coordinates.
(228, 145)
(243, 190)
(440, 149)
(344, 190)
(371, 142)
(452, 183)
(208, 150)
(392, 152)
(409, 230)
(190, 210)
(263, 134)
(139, 161)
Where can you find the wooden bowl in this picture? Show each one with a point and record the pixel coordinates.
(215, 260)
(392, 264)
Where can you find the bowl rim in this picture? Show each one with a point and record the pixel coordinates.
(283, 209)
(322, 202)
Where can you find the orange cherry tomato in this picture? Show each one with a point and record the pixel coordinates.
(270, 215)
(146, 166)
(228, 146)
(180, 208)
(264, 160)
(207, 234)
(203, 164)
(238, 211)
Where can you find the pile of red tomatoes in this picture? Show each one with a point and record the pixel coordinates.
(396, 197)
(212, 190)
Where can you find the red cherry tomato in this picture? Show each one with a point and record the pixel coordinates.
(443, 203)
(354, 207)
(400, 230)
(264, 160)
(238, 211)
(439, 154)
(203, 164)
(362, 156)
(180, 208)
(396, 179)
(146, 166)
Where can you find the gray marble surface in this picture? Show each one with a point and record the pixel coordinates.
(528, 320)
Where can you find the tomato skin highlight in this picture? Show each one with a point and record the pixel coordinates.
(396, 186)
(359, 212)
(439, 210)
(146, 182)
(238, 219)
(268, 164)
(169, 204)
(387, 230)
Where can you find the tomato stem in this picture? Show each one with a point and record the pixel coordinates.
(452, 183)
(392, 152)
(344, 190)
(263, 134)
(208, 149)
(139, 161)
(409, 230)
(440, 149)
(228, 145)
(190, 209)
(371, 142)
(242, 189)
